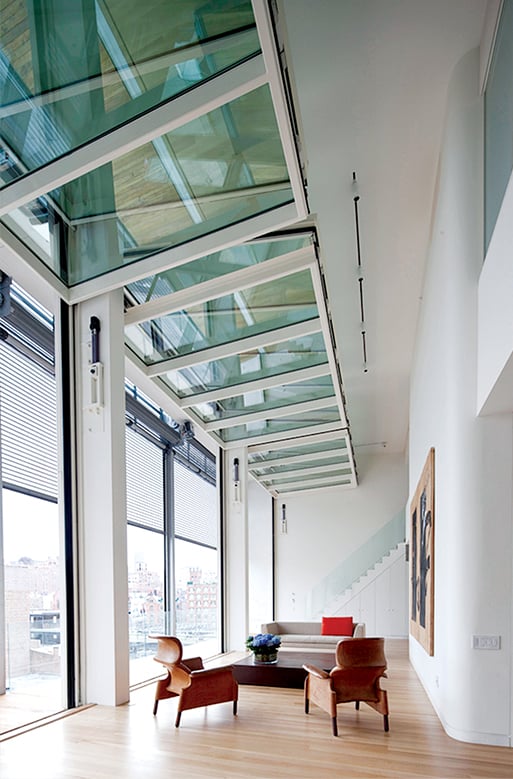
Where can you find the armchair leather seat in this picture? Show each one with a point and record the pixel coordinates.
(188, 680)
(360, 664)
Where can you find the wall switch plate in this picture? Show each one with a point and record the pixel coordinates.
(486, 642)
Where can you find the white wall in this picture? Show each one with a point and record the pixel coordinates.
(469, 688)
(324, 528)
(260, 556)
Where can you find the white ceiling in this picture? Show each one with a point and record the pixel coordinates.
(370, 80)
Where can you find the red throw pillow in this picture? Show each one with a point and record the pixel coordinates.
(337, 626)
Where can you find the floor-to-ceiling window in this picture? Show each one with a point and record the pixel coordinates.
(146, 548)
(196, 559)
(173, 549)
(33, 647)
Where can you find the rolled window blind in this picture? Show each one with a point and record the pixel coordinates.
(195, 507)
(28, 408)
(144, 482)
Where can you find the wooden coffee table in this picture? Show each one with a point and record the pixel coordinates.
(287, 672)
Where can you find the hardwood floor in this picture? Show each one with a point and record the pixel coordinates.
(270, 737)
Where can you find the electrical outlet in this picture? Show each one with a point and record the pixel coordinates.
(486, 642)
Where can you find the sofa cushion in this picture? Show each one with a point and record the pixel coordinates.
(289, 639)
(337, 626)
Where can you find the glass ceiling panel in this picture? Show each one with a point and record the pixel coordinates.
(213, 266)
(299, 451)
(302, 486)
(251, 365)
(69, 73)
(283, 425)
(259, 309)
(277, 469)
(268, 399)
(275, 482)
(220, 169)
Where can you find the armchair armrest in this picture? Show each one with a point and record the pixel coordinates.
(205, 673)
(318, 672)
(193, 663)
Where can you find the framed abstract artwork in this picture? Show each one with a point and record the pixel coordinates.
(422, 548)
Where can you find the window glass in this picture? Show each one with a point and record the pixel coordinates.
(499, 121)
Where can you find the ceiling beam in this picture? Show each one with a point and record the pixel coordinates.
(278, 380)
(286, 437)
(128, 72)
(280, 101)
(272, 413)
(250, 343)
(314, 470)
(227, 284)
(254, 467)
(314, 437)
(313, 483)
(190, 105)
(159, 261)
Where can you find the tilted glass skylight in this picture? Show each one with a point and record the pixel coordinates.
(310, 462)
(249, 368)
(71, 73)
(153, 150)
(222, 168)
(257, 310)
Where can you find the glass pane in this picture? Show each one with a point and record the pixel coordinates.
(499, 121)
(33, 600)
(286, 424)
(212, 266)
(260, 400)
(291, 467)
(302, 486)
(220, 169)
(197, 597)
(145, 555)
(299, 451)
(291, 479)
(110, 62)
(259, 309)
(249, 365)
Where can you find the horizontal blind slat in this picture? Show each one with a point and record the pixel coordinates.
(144, 482)
(28, 408)
(195, 507)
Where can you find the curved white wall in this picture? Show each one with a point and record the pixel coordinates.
(469, 688)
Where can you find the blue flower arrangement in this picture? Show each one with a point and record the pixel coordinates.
(263, 643)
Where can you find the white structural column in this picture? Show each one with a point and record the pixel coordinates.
(2, 584)
(236, 547)
(103, 581)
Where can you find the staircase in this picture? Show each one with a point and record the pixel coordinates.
(371, 585)
(379, 598)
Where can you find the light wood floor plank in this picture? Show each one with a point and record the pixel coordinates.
(271, 737)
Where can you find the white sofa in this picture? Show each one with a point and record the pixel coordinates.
(307, 635)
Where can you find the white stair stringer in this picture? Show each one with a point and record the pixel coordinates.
(379, 598)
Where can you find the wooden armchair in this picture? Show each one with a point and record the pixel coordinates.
(360, 663)
(190, 681)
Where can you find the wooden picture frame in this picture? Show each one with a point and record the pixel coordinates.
(422, 549)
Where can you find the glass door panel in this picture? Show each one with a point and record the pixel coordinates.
(33, 604)
(145, 599)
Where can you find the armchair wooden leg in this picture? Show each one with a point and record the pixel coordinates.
(357, 705)
(177, 720)
(235, 707)
(155, 707)
(385, 723)
(334, 726)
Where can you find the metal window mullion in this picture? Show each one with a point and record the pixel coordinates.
(169, 538)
